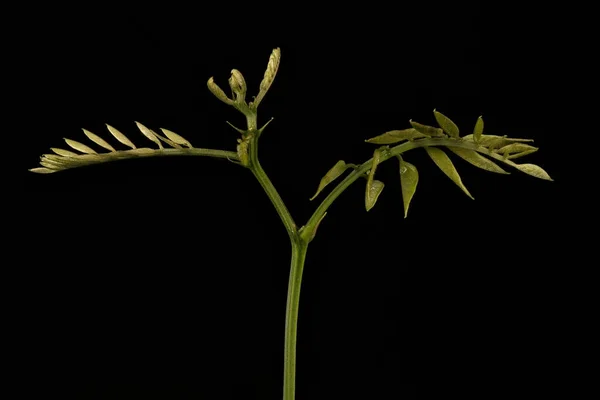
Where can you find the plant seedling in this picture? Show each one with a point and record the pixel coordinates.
(479, 149)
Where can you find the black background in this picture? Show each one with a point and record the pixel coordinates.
(166, 278)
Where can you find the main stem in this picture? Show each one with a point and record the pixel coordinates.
(291, 319)
(299, 248)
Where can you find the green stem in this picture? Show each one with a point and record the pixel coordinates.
(299, 249)
(200, 152)
(267, 185)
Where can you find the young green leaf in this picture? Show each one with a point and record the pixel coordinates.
(40, 170)
(533, 170)
(331, 175)
(56, 158)
(149, 134)
(476, 159)
(409, 178)
(80, 146)
(98, 140)
(120, 137)
(442, 160)
(426, 129)
(446, 124)
(478, 130)
(374, 189)
(396, 136)
(495, 141)
(176, 138)
(516, 148)
(62, 152)
(51, 165)
(167, 141)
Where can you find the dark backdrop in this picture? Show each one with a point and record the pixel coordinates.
(166, 278)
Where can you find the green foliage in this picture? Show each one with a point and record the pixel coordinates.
(475, 148)
(476, 159)
(66, 159)
(396, 136)
(478, 129)
(446, 124)
(337, 170)
(442, 160)
(409, 178)
(374, 187)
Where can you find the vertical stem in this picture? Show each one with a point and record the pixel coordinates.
(299, 249)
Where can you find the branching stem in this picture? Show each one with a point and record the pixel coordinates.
(386, 155)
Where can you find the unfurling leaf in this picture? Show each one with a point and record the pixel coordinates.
(218, 92)
(64, 153)
(120, 137)
(396, 136)
(176, 138)
(80, 147)
(55, 158)
(374, 189)
(149, 134)
(409, 178)
(51, 165)
(337, 170)
(533, 170)
(238, 85)
(271, 70)
(476, 159)
(478, 130)
(446, 124)
(98, 140)
(442, 160)
(426, 129)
